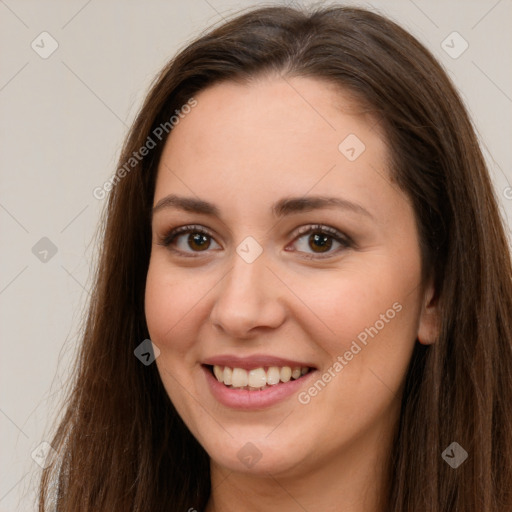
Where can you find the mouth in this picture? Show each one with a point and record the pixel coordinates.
(257, 379)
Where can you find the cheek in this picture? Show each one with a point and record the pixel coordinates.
(176, 312)
(361, 300)
(366, 322)
(172, 303)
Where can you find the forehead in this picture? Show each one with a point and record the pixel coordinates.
(271, 137)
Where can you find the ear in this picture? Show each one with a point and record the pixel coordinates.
(430, 316)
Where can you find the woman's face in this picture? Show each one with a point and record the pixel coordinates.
(301, 256)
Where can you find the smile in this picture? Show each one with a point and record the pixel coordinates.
(257, 379)
(255, 382)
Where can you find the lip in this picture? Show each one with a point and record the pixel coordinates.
(254, 400)
(254, 361)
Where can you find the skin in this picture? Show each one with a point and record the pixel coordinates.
(244, 147)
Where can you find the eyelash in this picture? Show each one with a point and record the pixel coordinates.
(345, 241)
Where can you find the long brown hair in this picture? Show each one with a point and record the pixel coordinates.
(122, 446)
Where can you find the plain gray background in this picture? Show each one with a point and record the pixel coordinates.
(63, 119)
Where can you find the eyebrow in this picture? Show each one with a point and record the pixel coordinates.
(282, 208)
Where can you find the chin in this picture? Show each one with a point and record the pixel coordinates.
(258, 455)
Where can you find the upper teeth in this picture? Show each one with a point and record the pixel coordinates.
(257, 378)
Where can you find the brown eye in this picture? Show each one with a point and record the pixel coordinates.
(312, 240)
(320, 240)
(198, 241)
(188, 240)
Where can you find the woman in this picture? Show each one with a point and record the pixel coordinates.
(303, 225)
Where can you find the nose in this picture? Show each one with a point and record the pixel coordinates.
(249, 298)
